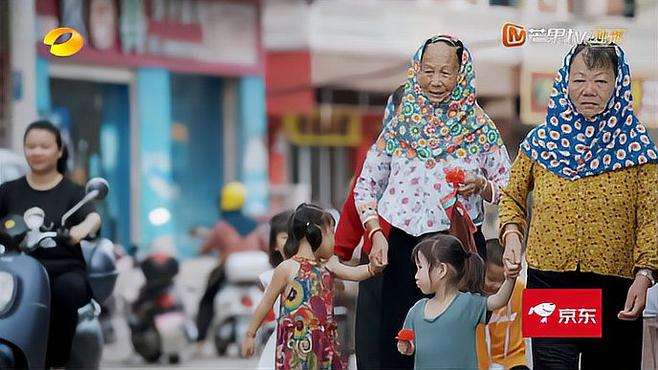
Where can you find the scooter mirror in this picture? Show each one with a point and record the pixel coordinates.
(97, 189)
(98, 185)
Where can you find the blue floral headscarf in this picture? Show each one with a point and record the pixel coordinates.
(455, 128)
(573, 147)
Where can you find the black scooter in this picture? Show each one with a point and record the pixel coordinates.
(158, 324)
(25, 289)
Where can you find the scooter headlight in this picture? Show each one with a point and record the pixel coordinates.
(7, 291)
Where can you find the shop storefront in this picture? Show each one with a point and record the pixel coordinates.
(164, 100)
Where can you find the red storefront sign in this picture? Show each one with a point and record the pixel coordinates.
(288, 82)
(214, 37)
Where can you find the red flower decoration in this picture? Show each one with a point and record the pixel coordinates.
(455, 176)
(406, 335)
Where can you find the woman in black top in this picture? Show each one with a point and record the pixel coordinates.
(46, 187)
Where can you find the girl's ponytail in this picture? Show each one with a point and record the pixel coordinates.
(474, 270)
(468, 268)
(313, 235)
(307, 221)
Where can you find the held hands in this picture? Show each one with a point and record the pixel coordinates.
(472, 185)
(512, 256)
(248, 344)
(512, 270)
(374, 268)
(379, 253)
(635, 300)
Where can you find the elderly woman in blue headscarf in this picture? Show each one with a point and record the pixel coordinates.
(593, 170)
(411, 178)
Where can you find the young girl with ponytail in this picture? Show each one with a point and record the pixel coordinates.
(306, 330)
(440, 331)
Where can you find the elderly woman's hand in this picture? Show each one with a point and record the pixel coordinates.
(379, 253)
(472, 185)
(512, 255)
(635, 300)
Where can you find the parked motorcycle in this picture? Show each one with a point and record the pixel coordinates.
(237, 300)
(25, 289)
(158, 323)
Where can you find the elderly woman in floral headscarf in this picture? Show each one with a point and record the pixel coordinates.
(411, 178)
(593, 169)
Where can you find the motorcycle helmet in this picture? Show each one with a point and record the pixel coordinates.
(233, 197)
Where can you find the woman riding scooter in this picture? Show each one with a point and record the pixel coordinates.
(45, 186)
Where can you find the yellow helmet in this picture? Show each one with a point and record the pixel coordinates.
(233, 196)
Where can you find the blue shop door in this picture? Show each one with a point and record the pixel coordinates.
(115, 161)
(197, 161)
(95, 122)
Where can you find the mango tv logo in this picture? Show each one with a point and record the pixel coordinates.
(66, 48)
(513, 35)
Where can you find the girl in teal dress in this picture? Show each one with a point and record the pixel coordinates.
(440, 331)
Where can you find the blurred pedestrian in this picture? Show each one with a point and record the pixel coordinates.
(500, 341)
(440, 127)
(593, 171)
(232, 233)
(306, 331)
(440, 331)
(278, 238)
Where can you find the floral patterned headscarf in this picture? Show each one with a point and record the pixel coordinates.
(431, 132)
(571, 146)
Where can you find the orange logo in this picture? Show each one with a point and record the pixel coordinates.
(513, 35)
(66, 48)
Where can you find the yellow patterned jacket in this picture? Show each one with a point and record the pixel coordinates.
(607, 224)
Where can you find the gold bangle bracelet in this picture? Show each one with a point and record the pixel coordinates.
(373, 231)
(511, 231)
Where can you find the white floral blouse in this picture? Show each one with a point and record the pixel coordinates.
(407, 192)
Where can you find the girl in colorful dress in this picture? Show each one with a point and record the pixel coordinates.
(278, 237)
(440, 330)
(306, 331)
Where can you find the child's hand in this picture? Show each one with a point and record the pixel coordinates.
(248, 346)
(376, 269)
(405, 347)
(513, 270)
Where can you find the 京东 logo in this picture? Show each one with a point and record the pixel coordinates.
(513, 35)
(562, 313)
(544, 310)
(66, 48)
